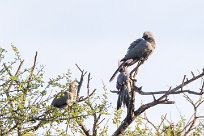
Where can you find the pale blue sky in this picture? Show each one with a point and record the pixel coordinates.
(96, 34)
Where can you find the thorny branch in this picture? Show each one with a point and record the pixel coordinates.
(83, 73)
(96, 115)
(190, 124)
(139, 90)
(88, 84)
(80, 99)
(84, 129)
(96, 118)
(32, 69)
(161, 100)
(187, 127)
(146, 118)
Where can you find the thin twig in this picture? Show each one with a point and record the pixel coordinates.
(88, 84)
(81, 80)
(83, 99)
(161, 100)
(84, 129)
(163, 92)
(183, 82)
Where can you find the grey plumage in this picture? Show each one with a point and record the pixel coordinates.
(60, 102)
(123, 87)
(68, 98)
(139, 50)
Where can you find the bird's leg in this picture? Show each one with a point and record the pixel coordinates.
(133, 73)
(139, 63)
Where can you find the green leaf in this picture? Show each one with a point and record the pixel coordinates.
(14, 78)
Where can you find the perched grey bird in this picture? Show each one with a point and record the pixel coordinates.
(69, 97)
(138, 50)
(123, 87)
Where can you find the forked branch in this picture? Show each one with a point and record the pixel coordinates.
(161, 100)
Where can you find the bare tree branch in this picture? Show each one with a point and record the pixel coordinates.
(83, 99)
(161, 100)
(88, 84)
(83, 73)
(163, 92)
(84, 129)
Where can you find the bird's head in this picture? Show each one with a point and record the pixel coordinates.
(147, 35)
(73, 86)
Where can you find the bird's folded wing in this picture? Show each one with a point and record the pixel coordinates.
(136, 52)
(135, 43)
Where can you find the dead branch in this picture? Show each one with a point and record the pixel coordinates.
(80, 99)
(183, 82)
(163, 119)
(130, 118)
(88, 84)
(83, 73)
(32, 69)
(84, 129)
(190, 124)
(83, 99)
(133, 73)
(202, 88)
(163, 92)
(146, 118)
(161, 100)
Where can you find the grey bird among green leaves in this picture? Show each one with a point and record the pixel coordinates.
(68, 98)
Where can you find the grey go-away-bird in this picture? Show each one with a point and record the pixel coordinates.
(68, 98)
(123, 87)
(139, 50)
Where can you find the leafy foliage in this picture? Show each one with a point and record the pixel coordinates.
(26, 100)
(26, 110)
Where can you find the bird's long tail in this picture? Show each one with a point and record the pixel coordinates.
(113, 76)
(119, 102)
(123, 98)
